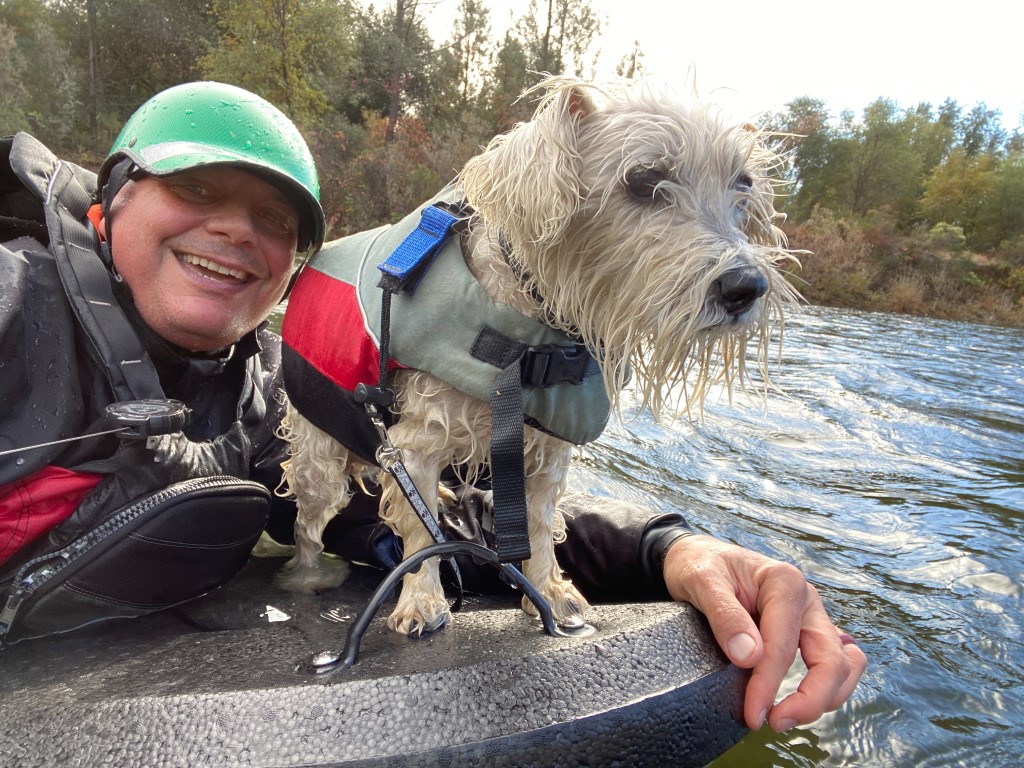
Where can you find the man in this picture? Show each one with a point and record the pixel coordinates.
(159, 311)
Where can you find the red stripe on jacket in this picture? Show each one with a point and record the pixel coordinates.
(325, 326)
(31, 506)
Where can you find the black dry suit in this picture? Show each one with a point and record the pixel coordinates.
(177, 509)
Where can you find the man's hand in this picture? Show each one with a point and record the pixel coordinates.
(762, 611)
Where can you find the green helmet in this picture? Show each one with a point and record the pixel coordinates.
(207, 123)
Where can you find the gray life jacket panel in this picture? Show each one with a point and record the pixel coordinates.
(332, 332)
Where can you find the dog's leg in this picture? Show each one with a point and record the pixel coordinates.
(547, 463)
(422, 606)
(318, 475)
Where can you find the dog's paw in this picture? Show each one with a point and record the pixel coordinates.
(568, 606)
(446, 498)
(267, 547)
(326, 572)
(419, 614)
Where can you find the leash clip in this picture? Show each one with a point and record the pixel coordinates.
(387, 455)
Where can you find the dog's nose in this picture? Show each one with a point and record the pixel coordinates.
(738, 289)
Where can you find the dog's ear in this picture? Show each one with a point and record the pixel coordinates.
(526, 183)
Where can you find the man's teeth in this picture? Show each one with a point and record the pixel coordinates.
(198, 261)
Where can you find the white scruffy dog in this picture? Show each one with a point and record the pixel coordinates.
(643, 227)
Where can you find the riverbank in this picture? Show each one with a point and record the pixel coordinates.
(928, 274)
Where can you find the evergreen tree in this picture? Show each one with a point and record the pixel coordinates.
(265, 47)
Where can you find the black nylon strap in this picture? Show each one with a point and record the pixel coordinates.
(507, 471)
(86, 281)
(543, 365)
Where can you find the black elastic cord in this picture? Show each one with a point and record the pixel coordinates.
(449, 548)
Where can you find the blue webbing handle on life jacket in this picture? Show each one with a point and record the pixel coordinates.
(408, 263)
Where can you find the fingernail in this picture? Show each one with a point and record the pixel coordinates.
(741, 646)
(760, 718)
(785, 724)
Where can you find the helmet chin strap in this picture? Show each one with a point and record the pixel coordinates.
(295, 273)
(119, 175)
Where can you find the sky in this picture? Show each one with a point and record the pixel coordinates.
(754, 57)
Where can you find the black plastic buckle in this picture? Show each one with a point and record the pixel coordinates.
(382, 397)
(545, 365)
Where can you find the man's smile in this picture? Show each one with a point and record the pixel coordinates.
(210, 266)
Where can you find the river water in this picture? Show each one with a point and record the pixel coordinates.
(891, 470)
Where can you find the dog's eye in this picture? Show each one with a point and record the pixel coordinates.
(643, 183)
(743, 186)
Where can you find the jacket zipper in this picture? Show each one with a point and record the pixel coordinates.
(28, 579)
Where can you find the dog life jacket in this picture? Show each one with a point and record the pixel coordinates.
(449, 327)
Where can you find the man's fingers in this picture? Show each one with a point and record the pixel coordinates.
(712, 589)
(782, 603)
(735, 588)
(833, 670)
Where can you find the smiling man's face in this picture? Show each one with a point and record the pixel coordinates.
(207, 253)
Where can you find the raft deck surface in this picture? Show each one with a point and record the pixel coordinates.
(223, 682)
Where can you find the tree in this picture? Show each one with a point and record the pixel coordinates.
(120, 52)
(558, 35)
(509, 78)
(45, 95)
(394, 55)
(956, 192)
(631, 66)
(457, 76)
(265, 46)
(805, 129)
(13, 96)
(470, 45)
(883, 165)
(981, 131)
(1001, 215)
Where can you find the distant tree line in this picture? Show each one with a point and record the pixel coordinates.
(920, 167)
(390, 113)
(917, 210)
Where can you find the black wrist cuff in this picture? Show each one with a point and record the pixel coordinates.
(658, 536)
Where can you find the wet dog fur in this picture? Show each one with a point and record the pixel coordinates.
(645, 226)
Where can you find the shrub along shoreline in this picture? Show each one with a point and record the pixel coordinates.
(928, 274)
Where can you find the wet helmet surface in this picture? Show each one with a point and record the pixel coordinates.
(207, 123)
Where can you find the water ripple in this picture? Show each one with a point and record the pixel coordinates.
(891, 468)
